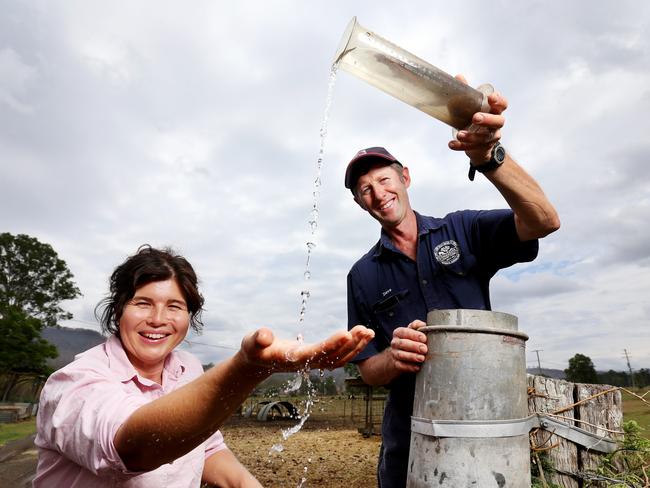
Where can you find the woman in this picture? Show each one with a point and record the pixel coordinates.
(135, 412)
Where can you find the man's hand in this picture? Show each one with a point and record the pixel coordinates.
(267, 354)
(408, 349)
(486, 130)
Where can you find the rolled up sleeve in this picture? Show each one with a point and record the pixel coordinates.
(80, 412)
(214, 444)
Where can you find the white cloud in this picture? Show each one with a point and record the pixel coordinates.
(15, 77)
(198, 126)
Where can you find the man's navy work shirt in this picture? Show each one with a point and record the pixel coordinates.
(456, 257)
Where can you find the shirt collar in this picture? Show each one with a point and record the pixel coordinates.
(425, 225)
(119, 363)
(428, 224)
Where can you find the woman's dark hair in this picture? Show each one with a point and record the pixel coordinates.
(146, 266)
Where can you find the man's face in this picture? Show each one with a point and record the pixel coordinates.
(382, 193)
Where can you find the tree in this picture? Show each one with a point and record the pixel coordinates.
(22, 349)
(642, 377)
(614, 378)
(328, 386)
(581, 370)
(33, 283)
(352, 370)
(34, 279)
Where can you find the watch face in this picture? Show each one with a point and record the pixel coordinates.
(500, 154)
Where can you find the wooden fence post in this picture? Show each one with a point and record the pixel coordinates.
(549, 395)
(601, 412)
(573, 402)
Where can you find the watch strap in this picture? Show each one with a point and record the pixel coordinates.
(491, 165)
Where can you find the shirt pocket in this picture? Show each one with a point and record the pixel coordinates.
(462, 267)
(392, 311)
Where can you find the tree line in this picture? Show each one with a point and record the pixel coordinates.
(581, 370)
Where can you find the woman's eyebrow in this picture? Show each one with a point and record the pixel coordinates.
(141, 297)
(149, 299)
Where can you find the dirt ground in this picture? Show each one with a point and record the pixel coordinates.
(326, 453)
(18, 471)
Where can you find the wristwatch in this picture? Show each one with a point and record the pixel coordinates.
(497, 158)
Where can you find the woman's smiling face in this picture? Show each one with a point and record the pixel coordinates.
(152, 324)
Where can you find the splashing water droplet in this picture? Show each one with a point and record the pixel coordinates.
(286, 433)
(293, 385)
(276, 448)
(307, 275)
(311, 245)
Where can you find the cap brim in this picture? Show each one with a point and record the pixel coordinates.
(360, 165)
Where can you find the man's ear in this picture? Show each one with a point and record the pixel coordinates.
(359, 202)
(406, 177)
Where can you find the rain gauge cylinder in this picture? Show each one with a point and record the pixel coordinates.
(408, 78)
(469, 427)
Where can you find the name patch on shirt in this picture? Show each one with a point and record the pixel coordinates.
(447, 252)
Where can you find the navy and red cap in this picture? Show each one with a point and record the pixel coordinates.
(363, 160)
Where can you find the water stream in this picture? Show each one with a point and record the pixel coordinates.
(314, 213)
(303, 375)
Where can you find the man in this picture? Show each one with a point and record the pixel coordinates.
(422, 263)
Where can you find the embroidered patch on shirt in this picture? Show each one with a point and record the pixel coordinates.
(447, 252)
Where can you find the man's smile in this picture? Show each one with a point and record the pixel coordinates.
(387, 205)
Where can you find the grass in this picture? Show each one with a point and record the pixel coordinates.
(18, 430)
(635, 409)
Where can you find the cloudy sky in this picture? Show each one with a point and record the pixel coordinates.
(196, 125)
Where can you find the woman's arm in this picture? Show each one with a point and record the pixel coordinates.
(224, 470)
(173, 425)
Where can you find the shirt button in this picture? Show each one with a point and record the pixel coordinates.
(424, 282)
(390, 314)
